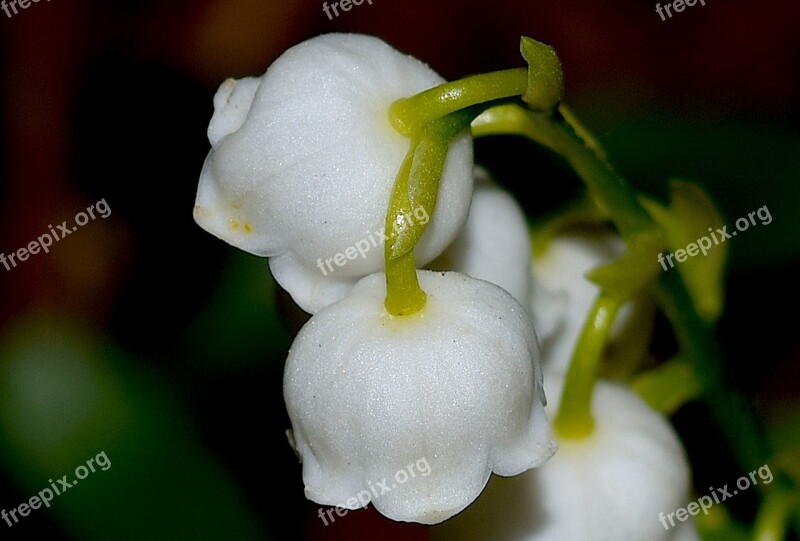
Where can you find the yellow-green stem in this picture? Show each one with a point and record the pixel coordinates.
(540, 86)
(410, 115)
(415, 187)
(574, 419)
(404, 296)
(773, 516)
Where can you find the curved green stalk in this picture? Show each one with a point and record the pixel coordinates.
(606, 187)
(619, 203)
(697, 345)
(772, 521)
(404, 296)
(574, 418)
(409, 115)
(432, 119)
(540, 86)
(416, 187)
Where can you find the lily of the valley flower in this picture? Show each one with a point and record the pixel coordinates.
(564, 295)
(457, 384)
(610, 486)
(494, 245)
(304, 158)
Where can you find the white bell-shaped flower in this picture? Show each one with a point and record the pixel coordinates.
(610, 486)
(563, 296)
(456, 386)
(304, 158)
(494, 244)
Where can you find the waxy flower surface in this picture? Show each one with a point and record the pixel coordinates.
(494, 245)
(457, 384)
(609, 486)
(562, 295)
(304, 158)
(349, 165)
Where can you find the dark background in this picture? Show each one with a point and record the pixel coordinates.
(142, 336)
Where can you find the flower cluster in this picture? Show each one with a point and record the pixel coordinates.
(303, 163)
(426, 347)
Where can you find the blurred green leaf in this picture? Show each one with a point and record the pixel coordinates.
(240, 326)
(68, 396)
(690, 218)
(744, 163)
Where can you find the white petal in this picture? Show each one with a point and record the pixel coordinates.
(457, 384)
(684, 531)
(231, 105)
(494, 244)
(303, 162)
(609, 487)
(548, 311)
(564, 297)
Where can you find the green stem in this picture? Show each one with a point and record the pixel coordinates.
(410, 115)
(698, 346)
(605, 186)
(432, 119)
(618, 201)
(540, 86)
(416, 187)
(574, 418)
(773, 517)
(404, 296)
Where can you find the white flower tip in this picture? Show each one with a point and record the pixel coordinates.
(227, 226)
(231, 105)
